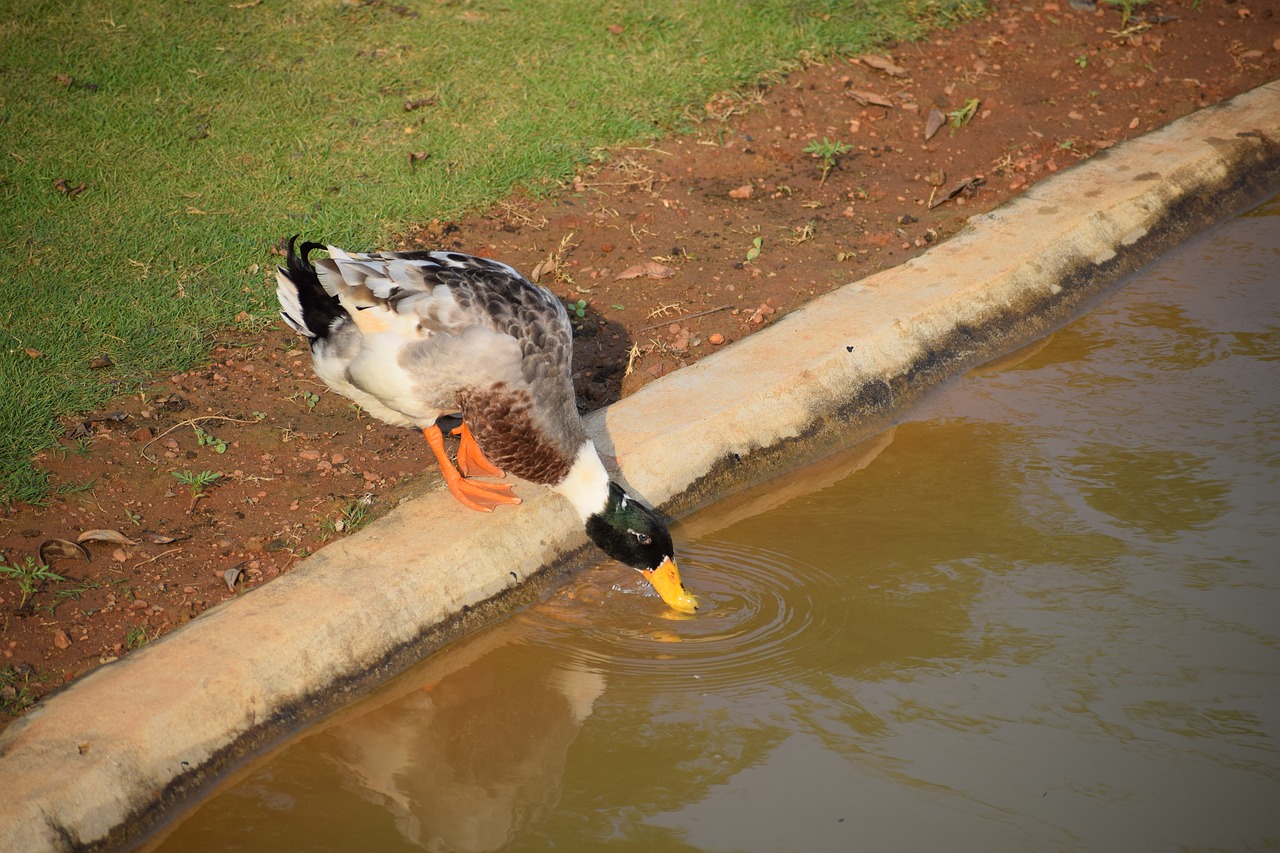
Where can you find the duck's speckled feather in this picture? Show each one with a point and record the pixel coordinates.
(431, 333)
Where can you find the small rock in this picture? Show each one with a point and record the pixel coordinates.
(716, 338)
(142, 434)
(309, 455)
(60, 638)
(119, 555)
(743, 191)
(371, 477)
(337, 459)
(139, 604)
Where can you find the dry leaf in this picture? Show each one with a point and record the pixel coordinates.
(115, 537)
(543, 268)
(869, 99)
(934, 123)
(34, 353)
(968, 185)
(652, 269)
(61, 549)
(64, 187)
(99, 362)
(250, 4)
(882, 64)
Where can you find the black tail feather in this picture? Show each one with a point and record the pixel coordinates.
(319, 309)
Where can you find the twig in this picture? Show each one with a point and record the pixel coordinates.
(158, 556)
(687, 317)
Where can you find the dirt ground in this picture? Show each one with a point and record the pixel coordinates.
(675, 250)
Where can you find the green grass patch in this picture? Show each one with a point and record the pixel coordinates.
(202, 133)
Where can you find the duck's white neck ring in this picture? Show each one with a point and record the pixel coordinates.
(587, 483)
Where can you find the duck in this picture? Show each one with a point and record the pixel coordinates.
(422, 339)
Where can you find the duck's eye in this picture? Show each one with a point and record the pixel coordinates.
(642, 538)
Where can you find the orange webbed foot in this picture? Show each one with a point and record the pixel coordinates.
(471, 460)
(482, 497)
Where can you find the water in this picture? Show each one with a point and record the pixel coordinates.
(1042, 614)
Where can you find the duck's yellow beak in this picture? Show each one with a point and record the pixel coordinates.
(666, 580)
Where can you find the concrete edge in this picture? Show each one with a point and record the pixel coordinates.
(94, 765)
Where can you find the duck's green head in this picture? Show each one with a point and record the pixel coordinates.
(630, 532)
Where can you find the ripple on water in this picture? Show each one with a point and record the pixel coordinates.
(762, 617)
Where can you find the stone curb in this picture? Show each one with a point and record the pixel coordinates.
(97, 763)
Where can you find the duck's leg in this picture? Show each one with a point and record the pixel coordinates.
(476, 495)
(471, 459)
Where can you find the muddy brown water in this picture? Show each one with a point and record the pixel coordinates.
(1042, 613)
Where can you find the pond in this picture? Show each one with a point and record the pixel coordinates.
(1043, 612)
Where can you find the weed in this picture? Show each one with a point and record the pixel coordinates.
(30, 575)
(1082, 60)
(197, 482)
(205, 439)
(354, 516)
(577, 309)
(757, 243)
(829, 152)
(135, 637)
(311, 399)
(15, 690)
(1126, 9)
(964, 115)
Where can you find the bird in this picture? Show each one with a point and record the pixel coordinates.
(422, 338)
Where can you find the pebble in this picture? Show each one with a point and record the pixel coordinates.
(716, 338)
(309, 455)
(60, 638)
(139, 604)
(371, 477)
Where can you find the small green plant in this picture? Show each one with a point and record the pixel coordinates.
(197, 483)
(15, 690)
(757, 243)
(578, 309)
(1082, 61)
(1126, 9)
(205, 439)
(964, 115)
(74, 593)
(829, 152)
(30, 575)
(310, 399)
(354, 516)
(135, 637)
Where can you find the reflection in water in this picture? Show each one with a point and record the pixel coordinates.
(465, 762)
(1040, 615)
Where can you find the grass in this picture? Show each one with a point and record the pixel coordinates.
(204, 133)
